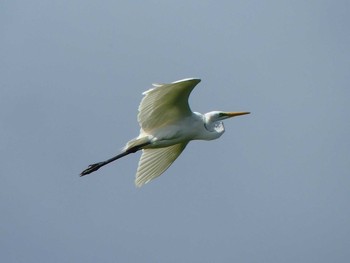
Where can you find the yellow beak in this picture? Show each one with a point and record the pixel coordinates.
(234, 114)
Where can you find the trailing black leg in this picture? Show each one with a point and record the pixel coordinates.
(95, 166)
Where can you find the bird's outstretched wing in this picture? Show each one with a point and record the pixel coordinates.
(165, 104)
(155, 161)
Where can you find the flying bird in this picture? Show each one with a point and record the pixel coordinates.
(167, 125)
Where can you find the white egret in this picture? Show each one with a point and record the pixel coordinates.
(167, 125)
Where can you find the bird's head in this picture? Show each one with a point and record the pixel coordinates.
(213, 120)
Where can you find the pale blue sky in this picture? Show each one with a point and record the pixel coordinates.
(273, 188)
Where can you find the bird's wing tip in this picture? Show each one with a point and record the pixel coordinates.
(188, 79)
(157, 85)
(139, 184)
(178, 81)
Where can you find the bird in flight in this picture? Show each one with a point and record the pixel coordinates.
(167, 125)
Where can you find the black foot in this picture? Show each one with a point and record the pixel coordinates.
(92, 168)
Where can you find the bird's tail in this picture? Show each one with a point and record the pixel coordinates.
(136, 143)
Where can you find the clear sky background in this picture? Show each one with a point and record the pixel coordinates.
(273, 188)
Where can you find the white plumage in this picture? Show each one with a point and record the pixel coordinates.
(167, 125)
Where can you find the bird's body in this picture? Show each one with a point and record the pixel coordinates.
(187, 129)
(167, 125)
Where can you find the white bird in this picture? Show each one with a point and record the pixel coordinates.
(167, 125)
